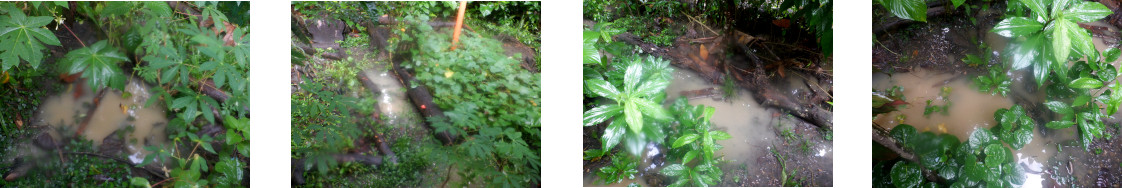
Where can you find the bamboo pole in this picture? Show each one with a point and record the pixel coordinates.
(459, 24)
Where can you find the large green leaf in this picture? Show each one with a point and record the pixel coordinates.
(651, 109)
(1085, 83)
(1037, 6)
(601, 113)
(1061, 40)
(1080, 40)
(1017, 26)
(1111, 54)
(1086, 11)
(631, 78)
(995, 154)
(1058, 107)
(591, 53)
(612, 135)
(651, 87)
(633, 117)
(603, 88)
(905, 174)
(685, 139)
(674, 170)
(22, 37)
(907, 9)
(980, 137)
(903, 133)
(1059, 124)
(719, 135)
(98, 64)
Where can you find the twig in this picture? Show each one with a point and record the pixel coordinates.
(699, 23)
(447, 176)
(72, 33)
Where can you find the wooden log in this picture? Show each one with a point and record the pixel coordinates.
(880, 136)
(381, 144)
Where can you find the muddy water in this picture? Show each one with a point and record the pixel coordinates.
(64, 113)
(970, 110)
(753, 129)
(392, 101)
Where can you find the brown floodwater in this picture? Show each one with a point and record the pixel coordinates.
(753, 129)
(116, 112)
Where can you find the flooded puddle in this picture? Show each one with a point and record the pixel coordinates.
(970, 110)
(64, 114)
(392, 101)
(754, 131)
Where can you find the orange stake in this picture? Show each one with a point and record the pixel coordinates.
(459, 24)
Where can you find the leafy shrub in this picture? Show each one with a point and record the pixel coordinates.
(982, 160)
(1046, 41)
(695, 140)
(484, 92)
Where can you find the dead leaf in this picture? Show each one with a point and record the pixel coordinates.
(124, 109)
(19, 121)
(6, 78)
(704, 53)
(784, 23)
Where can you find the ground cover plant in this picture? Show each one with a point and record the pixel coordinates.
(195, 55)
(479, 123)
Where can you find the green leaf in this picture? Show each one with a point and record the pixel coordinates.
(1111, 54)
(591, 53)
(1037, 6)
(1086, 11)
(1061, 41)
(182, 102)
(1021, 137)
(685, 139)
(674, 170)
(903, 133)
(602, 88)
(957, 2)
(651, 87)
(1058, 107)
(1085, 83)
(633, 117)
(1017, 26)
(139, 182)
(689, 156)
(995, 154)
(612, 135)
(979, 137)
(601, 114)
(159, 8)
(651, 109)
(905, 174)
(98, 64)
(632, 77)
(907, 9)
(718, 135)
(1059, 124)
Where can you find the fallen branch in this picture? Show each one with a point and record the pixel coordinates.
(880, 136)
(422, 99)
(383, 147)
(93, 108)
